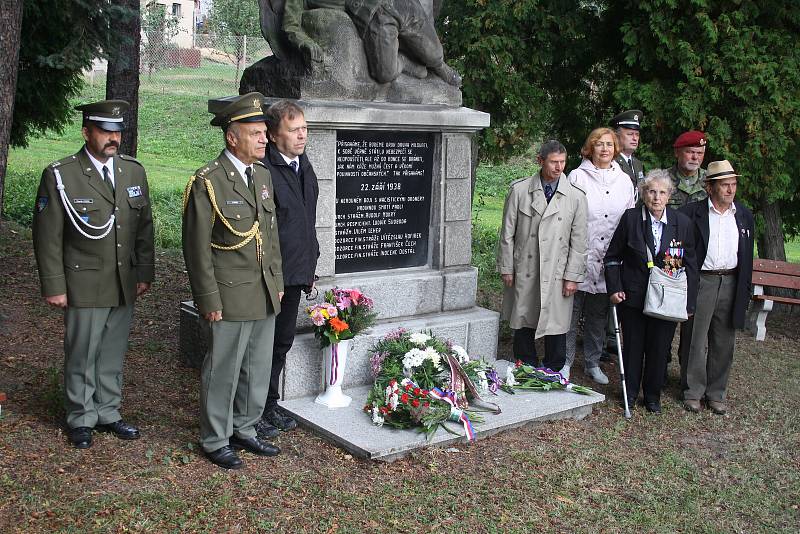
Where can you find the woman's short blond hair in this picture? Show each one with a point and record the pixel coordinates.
(594, 136)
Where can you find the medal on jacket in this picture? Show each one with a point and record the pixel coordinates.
(264, 192)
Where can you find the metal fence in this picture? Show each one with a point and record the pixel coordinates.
(212, 66)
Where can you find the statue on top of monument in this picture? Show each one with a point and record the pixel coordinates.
(398, 35)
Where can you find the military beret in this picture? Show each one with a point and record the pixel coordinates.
(246, 108)
(629, 119)
(692, 138)
(718, 170)
(106, 114)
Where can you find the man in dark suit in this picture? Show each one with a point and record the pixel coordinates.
(724, 234)
(93, 238)
(627, 125)
(296, 192)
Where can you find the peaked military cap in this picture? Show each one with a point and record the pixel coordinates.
(106, 114)
(630, 119)
(692, 138)
(246, 108)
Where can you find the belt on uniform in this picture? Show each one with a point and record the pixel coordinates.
(719, 272)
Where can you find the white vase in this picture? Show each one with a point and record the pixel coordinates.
(334, 358)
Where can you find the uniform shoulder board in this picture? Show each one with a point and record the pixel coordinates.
(63, 161)
(130, 158)
(206, 169)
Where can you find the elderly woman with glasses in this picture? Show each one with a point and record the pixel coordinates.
(646, 341)
(609, 193)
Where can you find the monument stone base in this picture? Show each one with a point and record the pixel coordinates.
(352, 429)
(394, 219)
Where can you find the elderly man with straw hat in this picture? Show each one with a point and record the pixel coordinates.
(724, 233)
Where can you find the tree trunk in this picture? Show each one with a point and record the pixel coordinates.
(771, 241)
(122, 82)
(10, 27)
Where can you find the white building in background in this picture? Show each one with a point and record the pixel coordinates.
(186, 12)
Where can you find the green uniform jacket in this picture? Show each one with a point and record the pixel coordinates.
(687, 189)
(94, 273)
(232, 280)
(636, 173)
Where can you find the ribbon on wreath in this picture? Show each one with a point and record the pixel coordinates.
(548, 375)
(334, 363)
(456, 414)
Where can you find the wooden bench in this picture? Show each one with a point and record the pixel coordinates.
(772, 273)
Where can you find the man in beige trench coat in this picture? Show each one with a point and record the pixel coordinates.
(542, 256)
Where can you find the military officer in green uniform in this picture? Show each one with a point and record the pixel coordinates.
(687, 176)
(627, 125)
(232, 253)
(93, 239)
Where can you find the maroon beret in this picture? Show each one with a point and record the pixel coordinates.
(691, 138)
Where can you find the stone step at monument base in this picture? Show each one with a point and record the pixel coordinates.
(474, 328)
(352, 429)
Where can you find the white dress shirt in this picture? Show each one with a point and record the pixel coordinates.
(657, 226)
(289, 160)
(723, 239)
(99, 166)
(241, 167)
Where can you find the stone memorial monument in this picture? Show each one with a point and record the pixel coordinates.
(391, 147)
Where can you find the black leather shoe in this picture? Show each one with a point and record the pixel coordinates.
(225, 458)
(254, 445)
(266, 430)
(80, 437)
(121, 429)
(653, 407)
(279, 419)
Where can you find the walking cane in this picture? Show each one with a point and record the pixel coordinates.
(621, 365)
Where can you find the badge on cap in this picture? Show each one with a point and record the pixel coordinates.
(134, 191)
(264, 192)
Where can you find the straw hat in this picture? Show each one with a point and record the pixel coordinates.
(719, 170)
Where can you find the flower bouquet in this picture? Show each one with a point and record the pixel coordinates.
(527, 377)
(422, 382)
(342, 314)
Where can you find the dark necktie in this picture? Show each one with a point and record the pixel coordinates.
(250, 183)
(548, 192)
(293, 165)
(107, 179)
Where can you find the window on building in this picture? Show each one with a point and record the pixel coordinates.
(176, 10)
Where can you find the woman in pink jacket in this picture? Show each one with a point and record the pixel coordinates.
(609, 193)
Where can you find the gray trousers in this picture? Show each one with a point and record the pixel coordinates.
(235, 380)
(95, 341)
(705, 367)
(594, 308)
